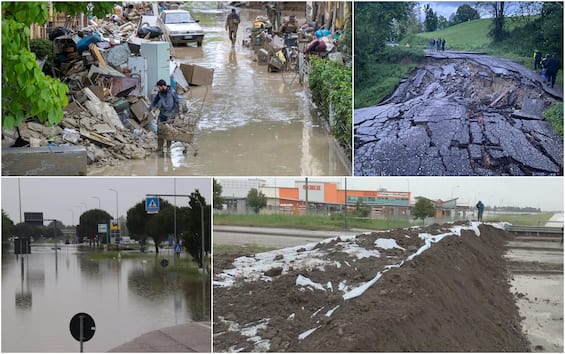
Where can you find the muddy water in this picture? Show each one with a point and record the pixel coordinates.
(42, 291)
(251, 122)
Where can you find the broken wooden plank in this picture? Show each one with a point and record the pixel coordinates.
(96, 138)
(495, 102)
(96, 52)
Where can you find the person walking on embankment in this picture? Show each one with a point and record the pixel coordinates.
(480, 209)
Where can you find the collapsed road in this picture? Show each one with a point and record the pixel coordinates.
(436, 288)
(461, 114)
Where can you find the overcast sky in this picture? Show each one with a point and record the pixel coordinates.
(539, 192)
(56, 197)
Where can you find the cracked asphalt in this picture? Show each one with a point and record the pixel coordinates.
(459, 114)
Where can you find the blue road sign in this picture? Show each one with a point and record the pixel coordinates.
(152, 205)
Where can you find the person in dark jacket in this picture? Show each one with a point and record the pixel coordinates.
(537, 60)
(168, 102)
(480, 209)
(552, 67)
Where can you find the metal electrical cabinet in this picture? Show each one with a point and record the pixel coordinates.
(157, 58)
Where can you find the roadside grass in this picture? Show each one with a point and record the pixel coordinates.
(381, 82)
(554, 115)
(309, 222)
(537, 219)
(221, 249)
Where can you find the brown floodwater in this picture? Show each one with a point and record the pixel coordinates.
(251, 122)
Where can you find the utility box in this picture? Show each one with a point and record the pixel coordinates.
(157, 57)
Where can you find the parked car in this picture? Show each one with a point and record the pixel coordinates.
(180, 27)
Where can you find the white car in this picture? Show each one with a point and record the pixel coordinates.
(180, 26)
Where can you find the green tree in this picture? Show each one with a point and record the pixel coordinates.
(423, 208)
(157, 226)
(256, 200)
(7, 226)
(54, 229)
(218, 200)
(498, 11)
(431, 20)
(192, 235)
(88, 223)
(362, 210)
(26, 91)
(442, 23)
(465, 13)
(26, 230)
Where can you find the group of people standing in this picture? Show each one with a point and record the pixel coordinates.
(548, 66)
(437, 44)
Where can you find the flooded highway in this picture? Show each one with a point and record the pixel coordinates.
(251, 122)
(126, 297)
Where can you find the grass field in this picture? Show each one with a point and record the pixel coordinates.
(308, 222)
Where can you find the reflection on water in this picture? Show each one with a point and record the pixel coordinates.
(251, 122)
(126, 297)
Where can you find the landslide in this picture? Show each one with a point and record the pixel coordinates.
(454, 297)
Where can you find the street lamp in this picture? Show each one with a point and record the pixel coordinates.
(202, 236)
(115, 191)
(98, 201)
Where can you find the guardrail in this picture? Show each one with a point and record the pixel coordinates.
(537, 230)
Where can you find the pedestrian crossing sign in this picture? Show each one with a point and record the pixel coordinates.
(152, 205)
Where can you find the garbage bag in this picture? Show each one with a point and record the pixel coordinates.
(58, 32)
(152, 31)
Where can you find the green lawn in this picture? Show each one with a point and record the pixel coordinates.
(334, 222)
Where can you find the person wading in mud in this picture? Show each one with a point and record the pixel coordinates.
(168, 102)
(480, 209)
(232, 23)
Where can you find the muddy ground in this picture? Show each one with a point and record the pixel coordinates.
(454, 296)
(461, 114)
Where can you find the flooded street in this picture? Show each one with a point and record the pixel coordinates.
(42, 291)
(252, 122)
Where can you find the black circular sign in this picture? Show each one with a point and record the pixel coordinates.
(164, 263)
(88, 326)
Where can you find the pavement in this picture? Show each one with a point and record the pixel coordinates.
(537, 280)
(189, 337)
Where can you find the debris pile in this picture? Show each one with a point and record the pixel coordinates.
(108, 112)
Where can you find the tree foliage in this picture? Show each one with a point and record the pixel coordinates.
(218, 200)
(7, 226)
(157, 226)
(256, 200)
(88, 223)
(26, 91)
(423, 208)
(192, 234)
(464, 13)
(431, 20)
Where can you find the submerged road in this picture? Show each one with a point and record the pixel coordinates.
(461, 114)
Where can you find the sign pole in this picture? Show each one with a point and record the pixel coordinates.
(81, 335)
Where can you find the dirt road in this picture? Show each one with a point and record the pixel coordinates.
(461, 114)
(439, 288)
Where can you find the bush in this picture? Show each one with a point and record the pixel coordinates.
(43, 48)
(554, 115)
(330, 84)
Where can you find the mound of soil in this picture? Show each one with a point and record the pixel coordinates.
(454, 296)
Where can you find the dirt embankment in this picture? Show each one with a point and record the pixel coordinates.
(454, 296)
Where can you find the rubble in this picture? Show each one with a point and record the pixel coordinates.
(107, 113)
(461, 114)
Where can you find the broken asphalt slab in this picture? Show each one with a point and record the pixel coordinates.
(461, 114)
